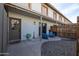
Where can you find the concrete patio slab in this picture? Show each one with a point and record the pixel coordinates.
(30, 48)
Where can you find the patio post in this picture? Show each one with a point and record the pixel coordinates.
(41, 28)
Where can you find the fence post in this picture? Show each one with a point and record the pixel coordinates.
(77, 34)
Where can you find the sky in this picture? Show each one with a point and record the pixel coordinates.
(70, 10)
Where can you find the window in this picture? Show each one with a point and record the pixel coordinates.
(54, 16)
(64, 20)
(29, 6)
(60, 18)
(44, 10)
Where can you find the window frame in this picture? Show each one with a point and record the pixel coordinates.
(60, 18)
(46, 13)
(54, 15)
(29, 6)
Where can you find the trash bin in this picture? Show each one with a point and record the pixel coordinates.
(55, 33)
(44, 36)
(51, 34)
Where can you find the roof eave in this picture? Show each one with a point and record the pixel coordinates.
(57, 11)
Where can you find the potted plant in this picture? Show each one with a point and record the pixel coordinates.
(28, 36)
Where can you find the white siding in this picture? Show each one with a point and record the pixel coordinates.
(36, 7)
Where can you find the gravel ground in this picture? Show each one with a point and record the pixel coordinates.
(59, 48)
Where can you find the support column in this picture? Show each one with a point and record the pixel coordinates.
(41, 28)
(3, 30)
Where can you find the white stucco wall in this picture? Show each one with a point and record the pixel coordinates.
(58, 17)
(36, 7)
(27, 25)
(63, 19)
(22, 5)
